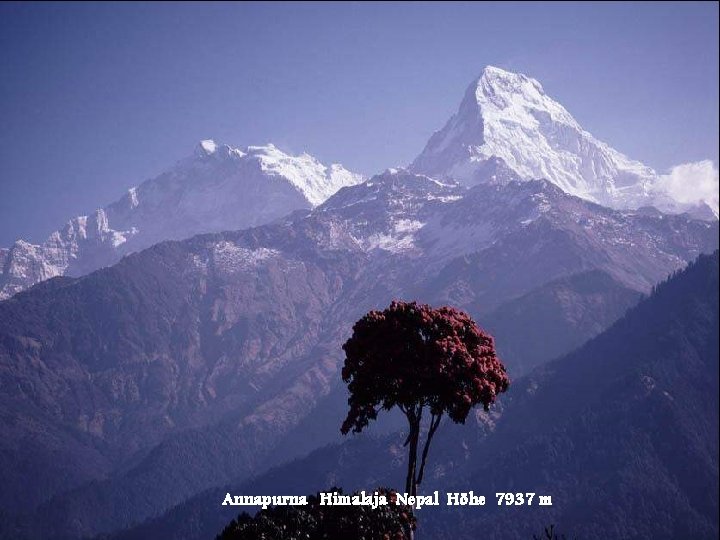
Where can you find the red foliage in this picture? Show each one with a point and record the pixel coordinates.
(411, 355)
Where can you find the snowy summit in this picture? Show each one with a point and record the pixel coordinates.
(218, 188)
(509, 116)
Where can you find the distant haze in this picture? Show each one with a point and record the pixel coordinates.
(97, 98)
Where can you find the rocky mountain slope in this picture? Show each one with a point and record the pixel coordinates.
(508, 116)
(219, 188)
(191, 362)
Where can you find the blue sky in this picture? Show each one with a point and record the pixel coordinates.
(95, 98)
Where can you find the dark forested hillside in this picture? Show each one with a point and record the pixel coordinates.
(557, 317)
(622, 433)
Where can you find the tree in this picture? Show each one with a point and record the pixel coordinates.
(420, 360)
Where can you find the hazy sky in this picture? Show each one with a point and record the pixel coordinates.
(97, 98)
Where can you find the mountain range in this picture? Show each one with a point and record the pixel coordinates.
(506, 122)
(218, 188)
(160, 362)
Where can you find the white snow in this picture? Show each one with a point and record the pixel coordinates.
(132, 193)
(509, 116)
(445, 198)
(408, 225)
(212, 190)
(316, 181)
(388, 242)
(209, 146)
(398, 238)
(231, 258)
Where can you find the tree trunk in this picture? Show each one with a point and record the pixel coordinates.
(414, 418)
(434, 424)
(413, 440)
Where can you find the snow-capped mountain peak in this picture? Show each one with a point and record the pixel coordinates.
(217, 188)
(514, 97)
(314, 180)
(207, 146)
(508, 116)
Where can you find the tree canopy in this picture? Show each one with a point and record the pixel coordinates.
(418, 358)
(412, 354)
